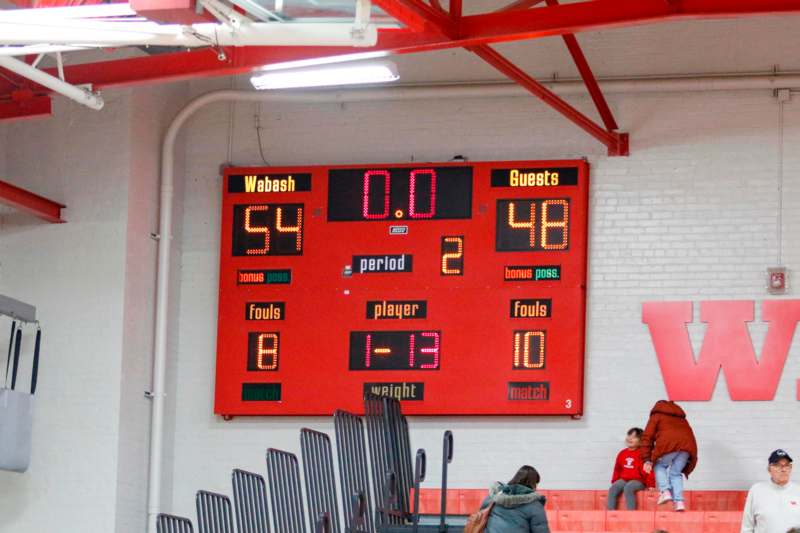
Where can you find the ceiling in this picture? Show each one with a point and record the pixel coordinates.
(618, 38)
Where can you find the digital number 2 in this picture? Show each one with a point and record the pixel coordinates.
(452, 260)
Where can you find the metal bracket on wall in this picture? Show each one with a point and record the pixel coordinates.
(17, 309)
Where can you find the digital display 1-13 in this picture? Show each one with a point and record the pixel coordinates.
(395, 350)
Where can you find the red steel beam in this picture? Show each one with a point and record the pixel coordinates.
(30, 202)
(204, 62)
(588, 77)
(520, 4)
(617, 143)
(597, 14)
(34, 107)
(473, 30)
(456, 9)
(416, 14)
(590, 81)
(53, 3)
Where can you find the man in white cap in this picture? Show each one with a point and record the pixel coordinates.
(773, 506)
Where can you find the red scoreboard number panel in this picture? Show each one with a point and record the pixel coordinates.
(457, 288)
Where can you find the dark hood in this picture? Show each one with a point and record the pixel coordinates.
(668, 408)
(514, 495)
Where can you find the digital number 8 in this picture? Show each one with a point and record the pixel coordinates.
(562, 224)
(263, 352)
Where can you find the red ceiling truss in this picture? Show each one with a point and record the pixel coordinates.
(32, 203)
(427, 26)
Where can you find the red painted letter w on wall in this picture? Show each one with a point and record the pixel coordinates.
(727, 345)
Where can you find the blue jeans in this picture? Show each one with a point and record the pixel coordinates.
(673, 462)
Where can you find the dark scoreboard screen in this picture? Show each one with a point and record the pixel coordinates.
(459, 288)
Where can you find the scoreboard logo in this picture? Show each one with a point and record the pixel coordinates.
(532, 273)
(396, 309)
(529, 391)
(264, 310)
(263, 277)
(269, 183)
(534, 177)
(401, 391)
(369, 264)
(531, 308)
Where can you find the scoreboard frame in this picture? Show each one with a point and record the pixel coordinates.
(469, 319)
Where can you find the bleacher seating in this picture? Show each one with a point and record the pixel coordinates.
(709, 511)
(382, 491)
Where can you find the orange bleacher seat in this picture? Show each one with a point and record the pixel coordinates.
(572, 500)
(428, 500)
(581, 520)
(552, 519)
(722, 522)
(601, 497)
(469, 501)
(630, 520)
(453, 502)
(646, 500)
(688, 522)
(642, 504)
(718, 500)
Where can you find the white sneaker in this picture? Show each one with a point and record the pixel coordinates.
(664, 497)
(680, 507)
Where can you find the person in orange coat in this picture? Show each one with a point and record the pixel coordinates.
(668, 443)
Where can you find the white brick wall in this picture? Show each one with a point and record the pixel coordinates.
(74, 273)
(92, 282)
(690, 215)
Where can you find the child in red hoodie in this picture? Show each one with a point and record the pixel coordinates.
(629, 475)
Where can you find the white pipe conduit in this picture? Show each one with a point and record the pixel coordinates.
(82, 96)
(485, 90)
(37, 49)
(97, 33)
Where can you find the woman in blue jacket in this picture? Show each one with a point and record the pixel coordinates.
(518, 508)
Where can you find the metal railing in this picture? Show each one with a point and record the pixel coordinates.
(374, 459)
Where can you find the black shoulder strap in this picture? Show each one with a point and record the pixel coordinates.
(35, 369)
(10, 347)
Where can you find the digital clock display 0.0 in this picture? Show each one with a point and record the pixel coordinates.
(381, 194)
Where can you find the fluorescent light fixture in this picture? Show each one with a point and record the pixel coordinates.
(328, 75)
(329, 60)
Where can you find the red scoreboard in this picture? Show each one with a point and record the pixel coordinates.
(459, 288)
